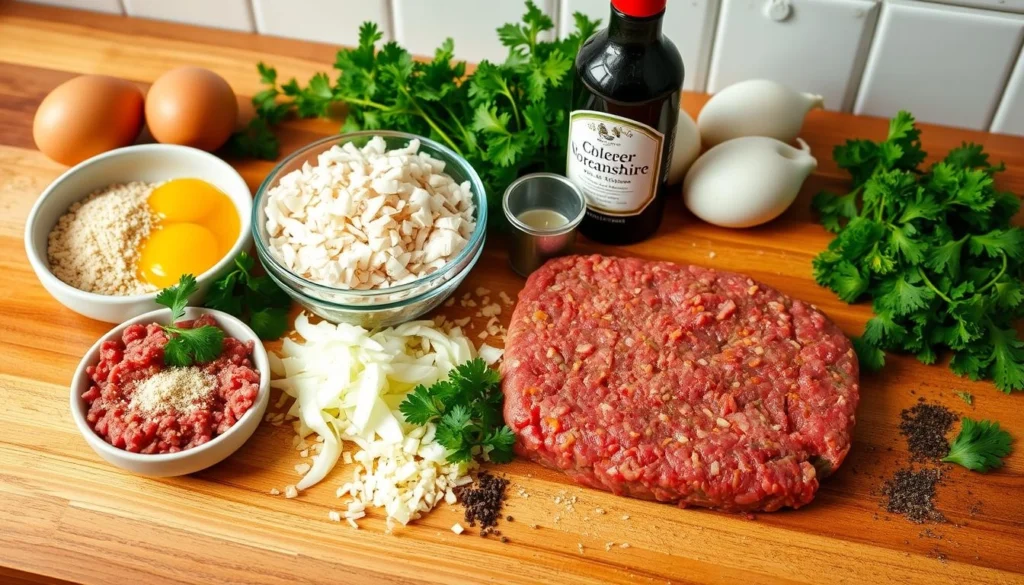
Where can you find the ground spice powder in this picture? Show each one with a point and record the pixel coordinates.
(925, 427)
(181, 390)
(911, 494)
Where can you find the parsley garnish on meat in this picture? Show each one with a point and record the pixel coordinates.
(467, 409)
(254, 299)
(980, 446)
(503, 118)
(187, 346)
(935, 251)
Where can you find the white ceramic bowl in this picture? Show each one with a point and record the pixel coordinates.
(145, 162)
(189, 460)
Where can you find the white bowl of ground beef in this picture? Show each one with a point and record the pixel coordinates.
(145, 163)
(155, 452)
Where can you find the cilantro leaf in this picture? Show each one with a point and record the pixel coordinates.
(467, 409)
(980, 445)
(935, 251)
(500, 440)
(419, 406)
(257, 300)
(269, 322)
(176, 297)
(868, 356)
(186, 346)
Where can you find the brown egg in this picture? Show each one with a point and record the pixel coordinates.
(191, 106)
(87, 115)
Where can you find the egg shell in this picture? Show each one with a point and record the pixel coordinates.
(756, 107)
(86, 116)
(685, 148)
(746, 181)
(191, 106)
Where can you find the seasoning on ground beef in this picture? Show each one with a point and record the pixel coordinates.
(126, 363)
(911, 494)
(677, 383)
(925, 426)
(483, 502)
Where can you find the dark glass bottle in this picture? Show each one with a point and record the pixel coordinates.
(626, 94)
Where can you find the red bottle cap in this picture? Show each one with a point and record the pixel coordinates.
(639, 8)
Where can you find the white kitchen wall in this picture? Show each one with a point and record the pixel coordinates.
(422, 25)
(946, 64)
(230, 14)
(1009, 117)
(953, 62)
(810, 45)
(335, 22)
(690, 24)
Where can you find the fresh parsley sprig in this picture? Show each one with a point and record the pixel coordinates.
(980, 446)
(504, 118)
(467, 408)
(935, 251)
(254, 299)
(186, 346)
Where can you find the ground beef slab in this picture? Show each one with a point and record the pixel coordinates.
(677, 383)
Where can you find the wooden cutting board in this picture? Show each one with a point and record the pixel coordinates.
(68, 516)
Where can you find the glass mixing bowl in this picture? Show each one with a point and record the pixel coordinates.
(385, 306)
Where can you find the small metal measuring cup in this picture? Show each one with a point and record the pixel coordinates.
(531, 247)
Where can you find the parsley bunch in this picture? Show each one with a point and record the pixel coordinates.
(980, 446)
(467, 408)
(254, 299)
(187, 346)
(505, 118)
(933, 249)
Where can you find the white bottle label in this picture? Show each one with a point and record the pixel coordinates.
(615, 161)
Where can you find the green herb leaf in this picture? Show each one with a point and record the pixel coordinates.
(187, 346)
(467, 409)
(176, 297)
(257, 300)
(870, 357)
(965, 396)
(935, 251)
(980, 446)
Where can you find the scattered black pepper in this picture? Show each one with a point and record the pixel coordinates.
(483, 502)
(925, 427)
(504, 539)
(911, 493)
(509, 518)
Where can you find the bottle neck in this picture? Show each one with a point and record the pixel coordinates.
(628, 30)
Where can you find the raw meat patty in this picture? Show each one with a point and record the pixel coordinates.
(677, 383)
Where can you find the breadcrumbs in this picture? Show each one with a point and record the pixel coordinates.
(95, 245)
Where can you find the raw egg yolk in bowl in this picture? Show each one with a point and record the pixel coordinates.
(198, 225)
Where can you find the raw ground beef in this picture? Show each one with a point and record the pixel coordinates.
(677, 383)
(138, 355)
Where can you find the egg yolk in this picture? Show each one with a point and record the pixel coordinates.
(176, 249)
(198, 225)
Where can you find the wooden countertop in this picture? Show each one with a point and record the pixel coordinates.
(68, 516)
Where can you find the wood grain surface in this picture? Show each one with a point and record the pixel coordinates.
(65, 515)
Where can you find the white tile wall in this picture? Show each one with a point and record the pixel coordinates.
(690, 24)
(422, 25)
(109, 6)
(810, 45)
(947, 65)
(954, 62)
(326, 21)
(230, 14)
(1009, 117)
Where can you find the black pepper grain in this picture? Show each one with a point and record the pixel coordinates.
(911, 494)
(925, 427)
(483, 502)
